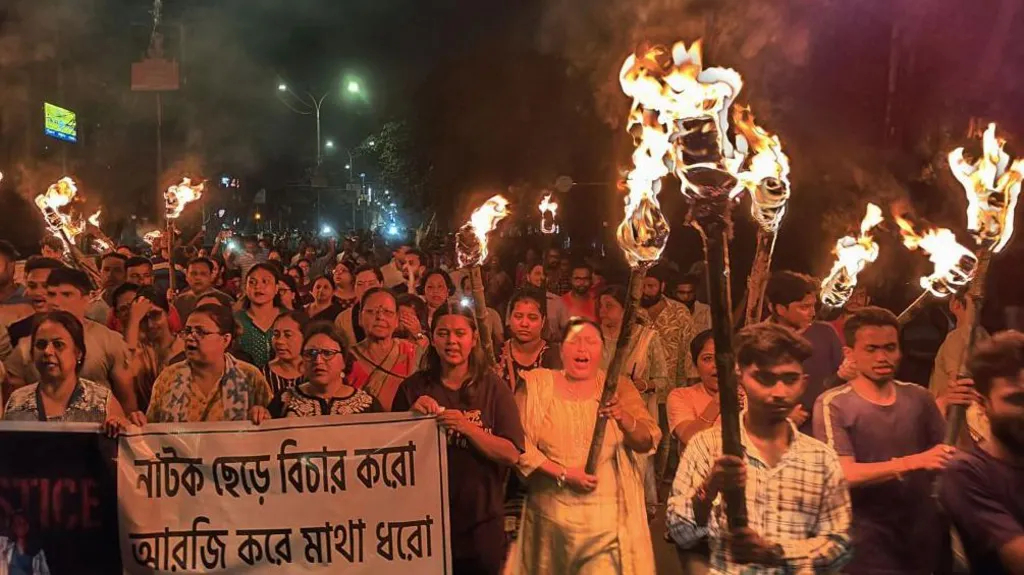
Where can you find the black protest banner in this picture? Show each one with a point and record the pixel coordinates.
(58, 499)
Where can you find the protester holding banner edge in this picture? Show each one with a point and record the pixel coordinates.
(485, 437)
(58, 353)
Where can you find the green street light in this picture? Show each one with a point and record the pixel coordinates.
(353, 87)
(329, 143)
(282, 87)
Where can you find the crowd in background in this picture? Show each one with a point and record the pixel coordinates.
(840, 455)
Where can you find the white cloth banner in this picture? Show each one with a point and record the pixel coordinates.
(352, 494)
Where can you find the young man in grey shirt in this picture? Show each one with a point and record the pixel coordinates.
(888, 435)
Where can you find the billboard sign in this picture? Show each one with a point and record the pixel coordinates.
(60, 123)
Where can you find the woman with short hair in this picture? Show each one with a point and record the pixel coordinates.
(323, 390)
(210, 385)
(58, 351)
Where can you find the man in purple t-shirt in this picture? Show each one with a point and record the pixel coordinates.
(792, 298)
(982, 489)
(888, 435)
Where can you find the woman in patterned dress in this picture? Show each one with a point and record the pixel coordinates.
(210, 385)
(575, 522)
(325, 391)
(58, 349)
(285, 370)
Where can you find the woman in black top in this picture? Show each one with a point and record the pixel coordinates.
(324, 307)
(324, 392)
(285, 370)
(485, 436)
(526, 349)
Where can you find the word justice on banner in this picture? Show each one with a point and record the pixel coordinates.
(364, 494)
(58, 497)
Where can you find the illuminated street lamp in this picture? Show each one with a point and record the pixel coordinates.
(329, 144)
(282, 87)
(353, 87)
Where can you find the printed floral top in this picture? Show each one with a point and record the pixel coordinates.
(88, 404)
(295, 402)
(176, 399)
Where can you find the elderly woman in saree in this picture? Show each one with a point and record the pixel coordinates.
(575, 522)
(382, 361)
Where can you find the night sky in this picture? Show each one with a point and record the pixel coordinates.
(499, 94)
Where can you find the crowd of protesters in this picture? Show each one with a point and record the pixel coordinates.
(841, 460)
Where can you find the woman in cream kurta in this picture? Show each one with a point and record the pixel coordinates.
(574, 523)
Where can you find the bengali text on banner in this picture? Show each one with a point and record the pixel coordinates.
(364, 494)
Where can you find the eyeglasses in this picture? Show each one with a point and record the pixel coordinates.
(379, 311)
(200, 333)
(313, 353)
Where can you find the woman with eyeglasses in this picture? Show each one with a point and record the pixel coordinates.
(381, 361)
(288, 293)
(210, 385)
(261, 307)
(58, 350)
(485, 436)
(344, 285)
(575, 522)
(285, 370)
(324, 390)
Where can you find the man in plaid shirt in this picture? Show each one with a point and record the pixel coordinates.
(798, 503)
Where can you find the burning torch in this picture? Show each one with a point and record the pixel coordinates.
(853, 254)
(60, 224)
(992, 185)
(642, 235)
(471, 250)
(175, 200)
(767, 180)
(673, 90)
(954, 265)
(548, 210)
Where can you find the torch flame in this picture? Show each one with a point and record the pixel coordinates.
(178, 196)
(471, 239)
(954, 264)
(689, 104)
(992, 185)
(852, 256)
(767, 174)
(152, 237)
(58, 194)
(548, 210)
(52, 203)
